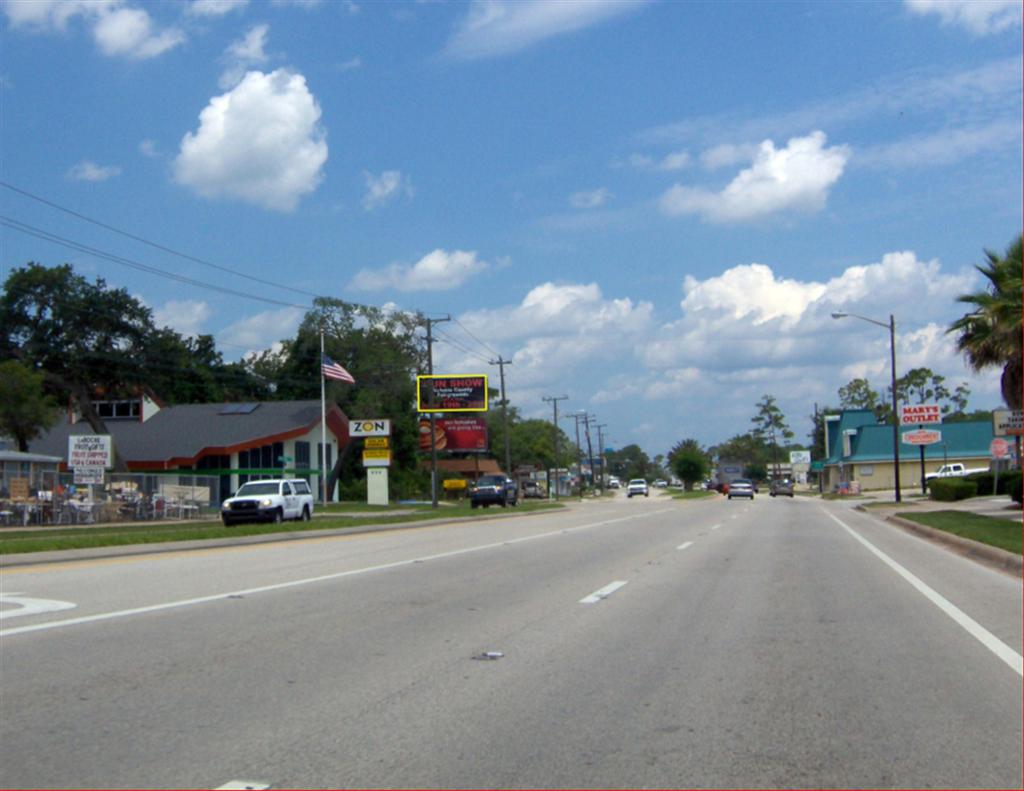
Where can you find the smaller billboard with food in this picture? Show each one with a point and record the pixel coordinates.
(459, 434)
(451, 393)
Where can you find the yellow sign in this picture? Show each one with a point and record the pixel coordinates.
(376, 458)
(455, 483)
(375, 442)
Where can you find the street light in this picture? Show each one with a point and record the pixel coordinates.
(891, 326)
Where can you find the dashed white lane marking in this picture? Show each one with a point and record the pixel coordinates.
(972, 627)
(603, 593)
(242, 785)
(28, 606)
(106, 616)
(715, 527)
(685, 545)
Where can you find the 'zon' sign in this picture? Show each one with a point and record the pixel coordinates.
(451, 393)
(374, 427)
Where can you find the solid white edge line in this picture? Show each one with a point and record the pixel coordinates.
(603, 593)
(39, 627)
(966, 622)
(685, 545)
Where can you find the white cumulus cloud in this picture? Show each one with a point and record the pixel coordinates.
(130, 32)
(243, 54)
(90, 171)
(590, 199)
(795, 178)
(980, 17)
(261, 143)
(185, 316)
(214, 8)
(382, 189)
(493, 27)
(439, 270)
(263, 330)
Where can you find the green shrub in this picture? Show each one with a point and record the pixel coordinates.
(984, 481)
(947, 490)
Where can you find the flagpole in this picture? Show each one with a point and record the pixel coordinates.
(323, 425)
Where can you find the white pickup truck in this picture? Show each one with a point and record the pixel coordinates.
(269, 501)
(953, 471)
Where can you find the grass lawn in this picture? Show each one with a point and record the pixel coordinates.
(696, 495)
(1002, 533)
(342, 515)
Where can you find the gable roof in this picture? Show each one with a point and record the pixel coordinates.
(180, 435)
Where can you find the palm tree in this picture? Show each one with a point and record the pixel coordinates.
(990, 335)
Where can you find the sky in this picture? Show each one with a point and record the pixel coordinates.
(652, 208)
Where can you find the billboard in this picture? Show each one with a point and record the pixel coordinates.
(451, 393)
(461, 434)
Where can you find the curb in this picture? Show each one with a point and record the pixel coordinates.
(993, 557)
(28, 559)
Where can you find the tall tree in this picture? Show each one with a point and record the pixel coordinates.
(857, 394)
(770, 424)
(990, 335)
(25, 409)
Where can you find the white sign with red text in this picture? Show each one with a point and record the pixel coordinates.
(90, 450)
(920, 414)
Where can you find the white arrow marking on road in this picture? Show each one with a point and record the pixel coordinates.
(27, 606)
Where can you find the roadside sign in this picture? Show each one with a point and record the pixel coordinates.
(920, 414)
(376, 443)
(799, 457)
(376, 458)
(90, 450)
(88, 475)
(1007, 422)
(922, 437)
(999, 448)
(373, 427)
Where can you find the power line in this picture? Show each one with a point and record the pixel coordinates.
(154, 245)
(40, 233)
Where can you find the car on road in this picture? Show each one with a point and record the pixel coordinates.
(637, 486)
(493, 490)
(614, 483)
(531, 489)
(661, 483)
(269, 501)
(741, 487)
(782, 486)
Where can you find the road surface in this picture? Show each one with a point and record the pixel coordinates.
(625, 643)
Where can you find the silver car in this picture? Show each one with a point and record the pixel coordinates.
(741, 487)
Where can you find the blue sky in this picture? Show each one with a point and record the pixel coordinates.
(650, 207)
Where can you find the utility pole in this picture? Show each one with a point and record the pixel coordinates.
(590, 448)
(501, 363)
(554, 400)
(579, 452)
(600, 451)
(433, 435)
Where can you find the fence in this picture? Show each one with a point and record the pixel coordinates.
(54, 499)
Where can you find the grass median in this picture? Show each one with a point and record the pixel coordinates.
(14, 541)
(1001, 533)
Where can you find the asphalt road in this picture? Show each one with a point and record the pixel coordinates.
(643, 643)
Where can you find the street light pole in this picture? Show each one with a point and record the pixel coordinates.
(891, 326)
(554, 401)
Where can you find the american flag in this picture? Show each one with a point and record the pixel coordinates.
(331, 370)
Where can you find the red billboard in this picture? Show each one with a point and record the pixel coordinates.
(460, 434)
